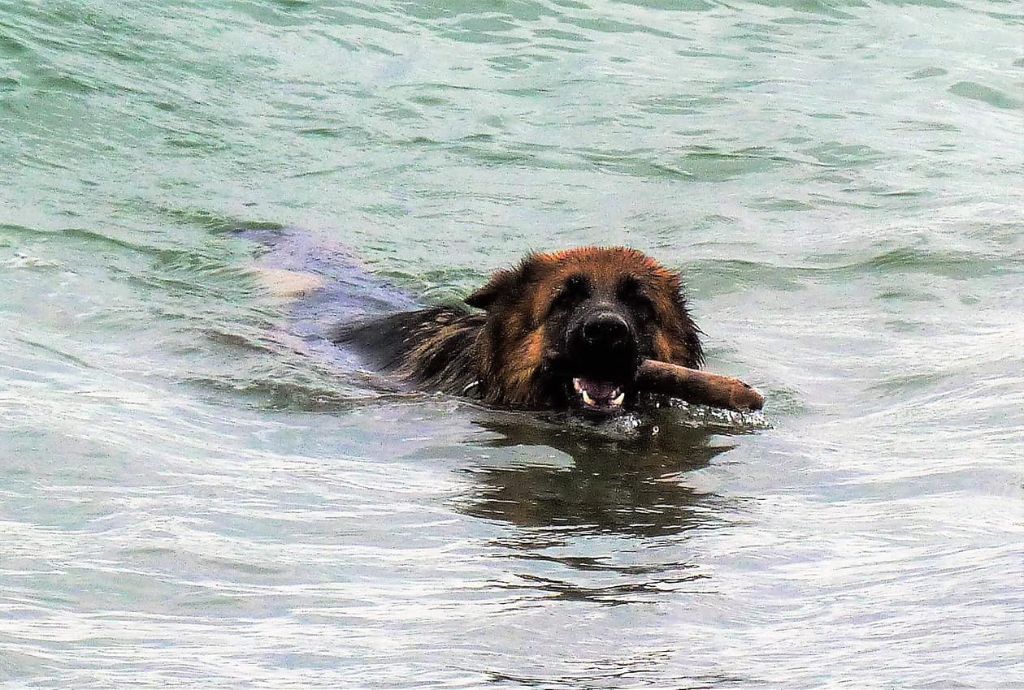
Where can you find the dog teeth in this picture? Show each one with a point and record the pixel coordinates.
(616, 401)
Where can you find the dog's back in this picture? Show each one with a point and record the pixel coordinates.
(435, 347)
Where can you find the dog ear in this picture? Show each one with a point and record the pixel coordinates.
(689, 333)
(507, 282)
(501, 283)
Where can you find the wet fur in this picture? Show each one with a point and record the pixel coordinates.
(512, 353)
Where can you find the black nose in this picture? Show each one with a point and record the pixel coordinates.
(605, 329)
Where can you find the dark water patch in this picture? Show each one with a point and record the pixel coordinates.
(947, 263)
(640, 670)
(386, 209)
(196, 141)
(469, 36)
(707, 53)
(730, 275)
(769, 50)
(57, 352)
(289, 388)
(485, 24)
(910, 260)
(910, 383)
(928, 126)
(806, 21)
(898, 193)
(69, 84)
(928, 73)
(723, 275)
(607, 25)
(682, 104)
(84, 236)
(11, 46)
(1008, 18)
(986, 94)
(838, 155)
(335, 132)
(671, 5)
(908, 294)
(938, 4)
(644, 590)
(508, 63)
(696, 164)
(828, 9)
(549, 51)
(496, 153)
(560, 35)
(601, 564)
(215, 222)
(774, 204)
(369, 16)
(322, 172)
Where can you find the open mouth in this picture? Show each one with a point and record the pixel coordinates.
(599, 396)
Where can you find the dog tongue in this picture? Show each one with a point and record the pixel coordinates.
(598, 390)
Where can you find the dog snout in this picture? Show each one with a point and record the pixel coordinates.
(605, 330)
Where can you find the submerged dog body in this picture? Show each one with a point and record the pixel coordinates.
(564, 330)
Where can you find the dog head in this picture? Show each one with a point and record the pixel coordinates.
(569, 330)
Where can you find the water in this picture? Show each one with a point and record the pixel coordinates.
(187, 501)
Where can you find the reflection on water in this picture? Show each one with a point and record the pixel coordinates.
(600, 485)
(626, 484)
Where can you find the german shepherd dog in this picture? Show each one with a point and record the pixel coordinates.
(561, 331)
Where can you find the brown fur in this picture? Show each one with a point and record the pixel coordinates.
(517, 352)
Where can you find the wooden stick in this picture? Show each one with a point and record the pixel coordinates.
(698, 387)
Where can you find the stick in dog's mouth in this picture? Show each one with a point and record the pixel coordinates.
(698, 387)
(692, 385)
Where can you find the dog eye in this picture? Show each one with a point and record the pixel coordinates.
(632, 293)
(573, 291)
(576, 283)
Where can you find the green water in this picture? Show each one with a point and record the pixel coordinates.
(185, 501)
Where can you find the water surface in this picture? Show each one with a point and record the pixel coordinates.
(187, 501)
